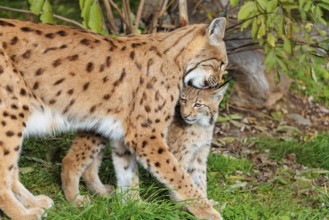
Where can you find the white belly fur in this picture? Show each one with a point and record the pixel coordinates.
(48, 122)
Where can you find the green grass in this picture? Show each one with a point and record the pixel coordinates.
(314, 153)
(231, 181)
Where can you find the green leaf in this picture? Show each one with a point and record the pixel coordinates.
(308, 6)
(261, 31)
(271, 39)
(95, 18)
(262, 4)
(271, 5)
(85, 11)
(246, 24)
(81, 3)
(35, 6)
(324, 5)
(247, 10)
(254, 29)
(234, 2)
(287, 46)
(47, 14)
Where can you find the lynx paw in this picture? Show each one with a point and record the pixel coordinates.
(107, 190)
(44, 202)
(32, 214)
(204, 212)
(81, 201)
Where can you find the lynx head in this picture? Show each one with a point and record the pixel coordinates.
(201, 106)
(206, 64)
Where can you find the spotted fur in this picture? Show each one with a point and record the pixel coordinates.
(55, 78)
(189, 139)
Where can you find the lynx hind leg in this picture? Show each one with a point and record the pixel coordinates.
(84, 150)
(126, 171)
(153, 153)
(92, 180)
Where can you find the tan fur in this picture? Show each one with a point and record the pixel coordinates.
(189, 139)
(55, 78)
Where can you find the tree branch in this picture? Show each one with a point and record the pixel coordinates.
(110, 17)
(56, 16)
(139, 14)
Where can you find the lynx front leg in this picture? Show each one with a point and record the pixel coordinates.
(26, 197)
(83, 154)
(10, 144)
(153, 153)
(126, 170)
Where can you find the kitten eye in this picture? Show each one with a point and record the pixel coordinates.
(183, 100)
(197, 105)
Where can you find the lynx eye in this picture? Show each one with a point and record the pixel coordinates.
(197, 105)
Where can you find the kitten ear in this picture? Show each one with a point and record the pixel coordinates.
(218, 94)
(216, 30)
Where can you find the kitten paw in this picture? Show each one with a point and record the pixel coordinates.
(213, 202)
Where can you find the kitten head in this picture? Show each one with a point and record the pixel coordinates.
(201, 105)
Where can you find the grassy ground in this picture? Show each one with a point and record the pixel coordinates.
(238, 184)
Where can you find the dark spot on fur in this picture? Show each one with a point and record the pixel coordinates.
(14, 41)
(27, 54)
(92, 109)
(39, 72)
(36, 85)
(59, 81)
(26, 29)
(160, 150)
(50, 35)
(57, 62)
(61, 33)
(70, 91)
(5, 23)
(10, 133)
(147, 108)
(85, 41)
(85, 86)
(90, 67)
(132, 55)
(73, 57)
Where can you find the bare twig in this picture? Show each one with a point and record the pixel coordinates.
(110, 16)
(155, 18)
(139, 14)
(183, 14)
(115, 6)
(127, 13)
(56, 16)
(164, 8)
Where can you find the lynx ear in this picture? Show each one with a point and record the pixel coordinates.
(218, 94)
(216, 30)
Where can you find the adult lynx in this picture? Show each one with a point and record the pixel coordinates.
(56, 78)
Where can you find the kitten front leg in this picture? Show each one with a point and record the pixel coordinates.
(126, 171)
(198, 168)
